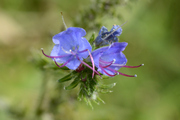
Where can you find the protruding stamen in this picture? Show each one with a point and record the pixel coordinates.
(126, 66)
(109, 63)
(126, 74)
(92, 60)
(63, 20)
(105, 62)
(64, 63)
(119, 73)
(53, 56)
(133, 66)
(106, 71)
(88, 66)
(114, 31)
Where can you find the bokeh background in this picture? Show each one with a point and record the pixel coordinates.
(29, 93)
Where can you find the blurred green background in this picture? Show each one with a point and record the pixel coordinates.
(152, 31)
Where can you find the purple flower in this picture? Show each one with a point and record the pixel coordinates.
(71, 48)
(110, 59)
(104, 37)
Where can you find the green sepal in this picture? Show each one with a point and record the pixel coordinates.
(106, 86)
(88, 102)
(91, 40)
(67, 77)
(73, 84)
(105, 77)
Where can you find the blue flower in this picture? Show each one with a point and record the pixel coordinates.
(110, 59)
(105, 38)
(71, 48)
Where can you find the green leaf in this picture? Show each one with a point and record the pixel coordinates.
(66, 78)
(73, 84)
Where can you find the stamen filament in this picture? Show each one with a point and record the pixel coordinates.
(83, 51)
(88, 66)
(106, 71)
(117, 72)
(133, 66)
(120, 65)
(102, 61)
(64, 63)
(92, 60)
(61, 56)
(106, 62)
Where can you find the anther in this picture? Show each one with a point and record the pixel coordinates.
(114, 60)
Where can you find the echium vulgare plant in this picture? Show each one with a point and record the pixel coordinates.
(73, 51)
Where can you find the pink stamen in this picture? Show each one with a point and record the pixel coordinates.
(117, 72)
(126, 74)
(88, 66)
(106, 71)
(64, 63)
(83, 51)
(102, 61)
(92, 60)
(127, 66)
(53, 56)
(108, 65)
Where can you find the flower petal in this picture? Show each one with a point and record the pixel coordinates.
(118, 31)
(73, 64)
(103, 30)
(83, 46)
(96, 54)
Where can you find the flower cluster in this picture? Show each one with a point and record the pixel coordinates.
(72, 50)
